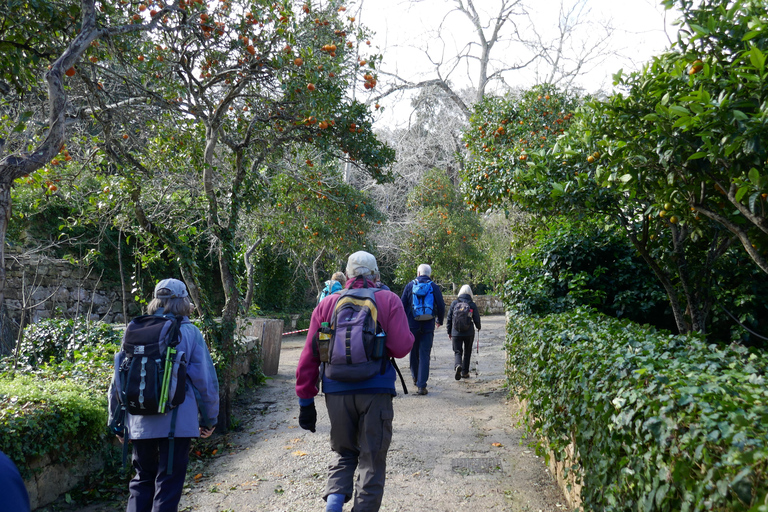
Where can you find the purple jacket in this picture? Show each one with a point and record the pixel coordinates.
(202, 393)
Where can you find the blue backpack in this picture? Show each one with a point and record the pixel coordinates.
(423, 301)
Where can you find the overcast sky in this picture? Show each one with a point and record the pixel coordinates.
(405, 28)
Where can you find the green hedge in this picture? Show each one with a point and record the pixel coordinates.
(54, 402)
(58, 418)
(659, 422)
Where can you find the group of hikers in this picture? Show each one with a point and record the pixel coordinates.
(165, 392)
(355, 334)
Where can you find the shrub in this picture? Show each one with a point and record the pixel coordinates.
(56, 399)
(573, 264)
(55, 341)
(54, 417)
(659, 422)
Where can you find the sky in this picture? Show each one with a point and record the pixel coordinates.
(406, 31)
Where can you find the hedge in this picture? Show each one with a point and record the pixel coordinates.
(39, 417)
(55, 402)
(659, 422)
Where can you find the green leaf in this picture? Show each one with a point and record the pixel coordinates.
(696, 156)
(680, 111)
(754, 176)
(741, 192)
(757, 58)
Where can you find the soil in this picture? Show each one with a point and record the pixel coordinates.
(457, 448)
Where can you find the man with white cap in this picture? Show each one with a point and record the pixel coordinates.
(360, 412)
(423, 330)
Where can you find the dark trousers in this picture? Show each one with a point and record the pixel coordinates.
(152, 489)
(361, 432)
(462, 351)
(420, 356)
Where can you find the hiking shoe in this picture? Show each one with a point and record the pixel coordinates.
(457, 376)
(414, 381)
(465, 375)
(422, 391)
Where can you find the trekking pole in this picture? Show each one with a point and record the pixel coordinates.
(169, 357)
(478, 341)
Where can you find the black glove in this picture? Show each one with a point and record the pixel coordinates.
(308, 417)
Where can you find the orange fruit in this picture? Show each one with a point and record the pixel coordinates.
(311, 87)
(298, 61)
(70, 72)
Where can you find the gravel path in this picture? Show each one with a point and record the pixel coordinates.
(457, 448)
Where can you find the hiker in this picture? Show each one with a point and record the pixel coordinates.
(360, 411)
(377, 281)
(423, 308)
(161, 442)
(333, 285)
(14, 493)
(462, 318)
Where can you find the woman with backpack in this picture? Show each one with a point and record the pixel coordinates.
(462, 315)
(161, 440)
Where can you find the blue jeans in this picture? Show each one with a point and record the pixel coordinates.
(420, 356)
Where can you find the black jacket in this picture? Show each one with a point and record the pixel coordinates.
(475, 317)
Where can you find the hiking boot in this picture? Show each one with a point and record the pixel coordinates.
(465, 375)
(414, 382)
(422, 391)
(457, 376)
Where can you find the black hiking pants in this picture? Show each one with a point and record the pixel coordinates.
(462, 351)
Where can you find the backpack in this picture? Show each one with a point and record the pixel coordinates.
(356, 348)
(330, 287)
(422, 301)
(462, 316)
(152, 372)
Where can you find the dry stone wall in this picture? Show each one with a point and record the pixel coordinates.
(47, 287)
(487, 304)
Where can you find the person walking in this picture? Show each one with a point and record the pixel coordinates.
(333, 285)
(360, 411)
(463, 317)
(156, 487)
(422, 313)
(12, 489)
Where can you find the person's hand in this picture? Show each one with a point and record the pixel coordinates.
(450, 337)
(308, 417)
(438, 325)
(120, 438)
(206, 431)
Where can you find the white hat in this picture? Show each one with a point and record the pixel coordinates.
(170, 289)
(466, 290)
(361, 263)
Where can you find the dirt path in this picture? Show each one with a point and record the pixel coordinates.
(454, 449)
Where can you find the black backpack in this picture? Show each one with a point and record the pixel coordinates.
(152, 372)
(462, 316)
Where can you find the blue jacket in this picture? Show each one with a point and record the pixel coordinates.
(12, 490)
(202, 395)
(407, 300)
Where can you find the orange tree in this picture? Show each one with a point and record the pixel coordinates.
(443, 233)
(683, 148)
(198, 124)
(503, 138)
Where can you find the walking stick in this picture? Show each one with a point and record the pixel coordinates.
(478, 341)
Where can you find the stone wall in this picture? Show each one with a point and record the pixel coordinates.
(487, 304)
(47, 287)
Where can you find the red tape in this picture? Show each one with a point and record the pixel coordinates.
(295, 332)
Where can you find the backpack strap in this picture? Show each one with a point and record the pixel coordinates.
(402, 380)
(171, 440)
